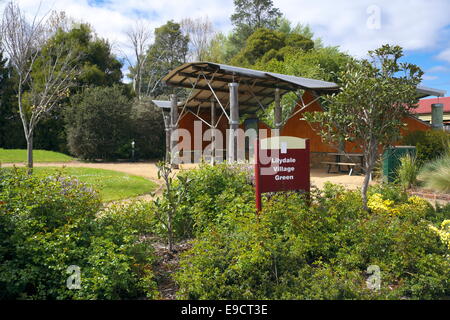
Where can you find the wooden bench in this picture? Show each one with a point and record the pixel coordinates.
(351, 166)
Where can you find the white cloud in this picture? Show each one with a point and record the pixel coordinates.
(414, 24)
(429, 78)
(444, 55)
(112, 18)
(438, 69)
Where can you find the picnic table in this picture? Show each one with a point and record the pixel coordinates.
(339, 162)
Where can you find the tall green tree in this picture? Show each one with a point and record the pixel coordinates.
(265, 44)
(250, 15)
(377, 93)
(322, 64)
(169, 50)
(98, 67)
(10, 129)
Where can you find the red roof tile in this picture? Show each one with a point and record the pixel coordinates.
(425, 105)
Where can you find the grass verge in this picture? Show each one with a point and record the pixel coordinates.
(111, 185)
(19, 155)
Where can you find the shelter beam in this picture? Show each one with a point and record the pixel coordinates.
(234, 121)
(278, 112)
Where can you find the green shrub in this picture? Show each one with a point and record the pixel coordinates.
(208, 197)
(98, 123)
(408, 171)
(436, 174)
(389, 192)
(47, 225)
(148, 130)
(318, 251)
(430, 144)
(442, 213)
(120, 255)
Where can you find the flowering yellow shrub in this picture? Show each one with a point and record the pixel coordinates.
(415, 205)
(444, 232)
(378, 205)
(418, 202)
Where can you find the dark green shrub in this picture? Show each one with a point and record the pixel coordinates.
(98, 124)
(430, 144)
(120, 255)
(148, 130)
(47, 225)
(442, 213)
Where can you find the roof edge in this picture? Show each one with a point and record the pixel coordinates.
(426, 92)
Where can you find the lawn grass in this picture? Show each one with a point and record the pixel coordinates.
(20, 155)
(111, 185)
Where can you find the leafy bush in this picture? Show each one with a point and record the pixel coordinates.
(98, 123)
(320, 251)
(47, 225)
(430, 144)
(126, 120)
(147, 130)
(408, 171)
(210, 192)
(436, 174)
(443, 232)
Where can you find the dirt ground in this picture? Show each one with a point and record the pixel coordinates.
(148, 170)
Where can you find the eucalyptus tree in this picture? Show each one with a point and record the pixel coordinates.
(200, 32)
(139, 37)
(168, 51)
(376, 95)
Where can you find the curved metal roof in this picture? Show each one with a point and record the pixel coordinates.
(256, 87)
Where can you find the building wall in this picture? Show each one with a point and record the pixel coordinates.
(427, 117)
(295, 127)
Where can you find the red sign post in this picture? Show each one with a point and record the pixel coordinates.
(281, 164)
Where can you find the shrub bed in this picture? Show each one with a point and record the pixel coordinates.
(320, 251)
(49, 224)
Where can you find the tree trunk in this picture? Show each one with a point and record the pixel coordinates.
(30, 153)
(365, 187)
(170, 231)
(371, 159)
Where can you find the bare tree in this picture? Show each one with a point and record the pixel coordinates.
(139, 36)
(201, 33)
(59, 20)
(44, 78)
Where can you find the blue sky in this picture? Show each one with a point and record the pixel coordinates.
(421, 27)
